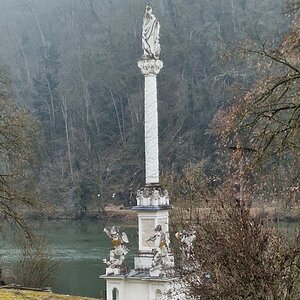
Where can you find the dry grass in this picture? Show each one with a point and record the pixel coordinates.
(32, 295)
(264, 211)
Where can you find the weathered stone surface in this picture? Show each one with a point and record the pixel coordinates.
(150, 68)
(152, 196)
(150, 34)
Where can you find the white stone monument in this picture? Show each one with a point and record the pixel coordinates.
(153, 263)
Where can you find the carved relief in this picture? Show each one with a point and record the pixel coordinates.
(150, 67)
(152, 196)
(147, 230)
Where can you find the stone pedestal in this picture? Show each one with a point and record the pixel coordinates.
(137, 286)
(153, 209)
(115, 271)
(148, 219)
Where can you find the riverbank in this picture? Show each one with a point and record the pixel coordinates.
(78, 248)
(110, 213)
(16, 294)
(263, 212)
(118, 213)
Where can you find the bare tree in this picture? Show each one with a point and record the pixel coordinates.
(36, 266)
(266, 120)
(17, 155)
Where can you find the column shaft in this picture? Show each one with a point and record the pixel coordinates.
(151, 130)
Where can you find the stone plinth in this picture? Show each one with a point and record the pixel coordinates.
(137, 285)
(115, 271)
(148, 218)
(143, 261)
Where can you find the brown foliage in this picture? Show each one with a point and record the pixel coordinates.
(267, 119)
(244, 256)
(36, 267)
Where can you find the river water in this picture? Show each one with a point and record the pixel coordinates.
(80, 248)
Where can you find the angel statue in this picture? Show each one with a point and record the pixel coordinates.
(150, 35)
(161, 257)
(186, 237)
(118, 251)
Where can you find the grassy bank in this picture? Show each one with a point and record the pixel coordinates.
(32, 295)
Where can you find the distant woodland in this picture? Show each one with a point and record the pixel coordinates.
(73, 66)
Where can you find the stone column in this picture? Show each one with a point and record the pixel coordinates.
(150, 68)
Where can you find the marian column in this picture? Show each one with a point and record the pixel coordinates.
(150, 66)
(152, 199)
(152, 276)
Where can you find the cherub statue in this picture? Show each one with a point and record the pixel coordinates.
(119, 250)
(186, 237)
(161, 256)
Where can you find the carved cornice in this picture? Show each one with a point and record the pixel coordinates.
(150, 66)
(152, 196)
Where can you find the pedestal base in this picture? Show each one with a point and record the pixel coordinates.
(143, 260)
(112, 271)
(155, 272)
(137, 285)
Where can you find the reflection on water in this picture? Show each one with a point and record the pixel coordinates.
(80, 248)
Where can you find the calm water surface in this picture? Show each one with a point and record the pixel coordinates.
(80, 248)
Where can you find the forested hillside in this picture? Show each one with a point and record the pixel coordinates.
(74, 66)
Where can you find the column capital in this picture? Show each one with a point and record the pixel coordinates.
(150, 66)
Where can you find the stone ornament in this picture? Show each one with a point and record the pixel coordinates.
(150, 35)
(150, 196)
(161, 261)
(150, 67)
(117, 253)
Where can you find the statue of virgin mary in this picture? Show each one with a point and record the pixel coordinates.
(150, 35)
